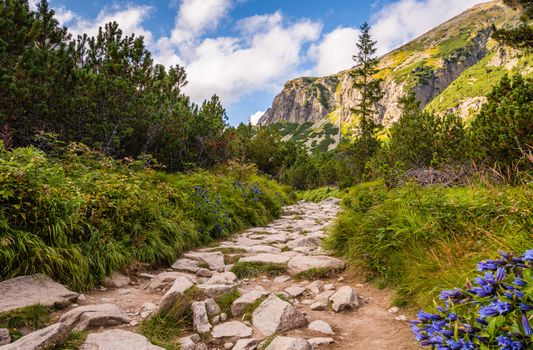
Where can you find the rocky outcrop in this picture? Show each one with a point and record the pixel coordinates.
(92, 316)
(42, 339)
(425, 66)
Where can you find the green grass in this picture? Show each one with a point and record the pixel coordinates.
(253, 269)
(229, 250)
(33, 317)
(421, 240)
(227, 300)
(316, 274)
(250, 308)
(73, 341)
(319, 194)
(81, 217)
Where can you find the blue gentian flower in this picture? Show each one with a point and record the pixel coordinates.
(495, 308)
(525, 324)
(528, 255)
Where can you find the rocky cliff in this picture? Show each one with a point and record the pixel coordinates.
(429, 66)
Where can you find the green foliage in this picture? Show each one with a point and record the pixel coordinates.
(226, 300)
(250, 308)
(74, 340)
(503, 130)
(254, 269)
(420, 240)
(83, 216)
(318, 194)
(315, 274)
(521, 36)
(33, 317)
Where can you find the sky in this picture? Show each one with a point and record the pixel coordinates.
(245, 50)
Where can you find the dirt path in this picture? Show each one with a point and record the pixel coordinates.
(371, 325)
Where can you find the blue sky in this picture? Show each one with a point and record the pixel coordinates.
(245, 50)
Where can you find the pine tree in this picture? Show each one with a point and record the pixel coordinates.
(520, 37)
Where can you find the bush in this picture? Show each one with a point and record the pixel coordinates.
(83, 216)
(494, 312)
(419, 240)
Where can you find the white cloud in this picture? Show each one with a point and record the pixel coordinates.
(263, 57)
(254, 118)
(130, 19)
(64, 16)
(196, 16)
(401, 21)
(334, 52)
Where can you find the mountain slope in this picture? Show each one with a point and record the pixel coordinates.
(449, 68)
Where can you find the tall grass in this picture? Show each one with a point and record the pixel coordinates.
(319, 194)
(83, 216)
(420, 240)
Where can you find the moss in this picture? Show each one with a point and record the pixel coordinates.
(253, 269)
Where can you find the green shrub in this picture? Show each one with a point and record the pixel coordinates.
(422, 240)
(83, 216)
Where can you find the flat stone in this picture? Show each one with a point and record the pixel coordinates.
(245, 344)
(166, 279)
(288, 343)
(320, 341)
(240, 304)
(116, 280)
(321, 326)
(181, 284)
(295, 291)
(115, 339)
(231, 329)
(223, 278)
(212, 307)
(329, 286)
(305, 242)
(199, 317)
(40, 289)
(319, 305)
(314, 287)
(204, 272)
(42, 339)
(281, 279)
(344, 298)
(186, 343)
(215, 260)
(263, 249)
(266, 258)
(187, 265)
(5, 338)
(276, 316)
(216, 290)
(91, 316)
(302, 263)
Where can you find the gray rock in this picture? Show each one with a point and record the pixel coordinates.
(302, 263)
(245, 344)
(240, 304)
(216, 290)
(212, 307)
(276, 316)
(263, 249)
(266, 258)
(181, 284)
(186, 343)
(40, 289)
(295, 291)
(90, 316)
(187, 265)
(147, 309)
(321, 326)
(319, 305)
(42, 339)
(215, 260)
(228, 346)
(315, 287)
(223, 317)
(231, 329)
(344, 298)
(199, 317)
(116, 339)
(166, 279)
(223, 278)
(5, 338)
(320, 341)
(116, 280)
(281, 279)
(305, 242)
(288, 343)
(204, 273)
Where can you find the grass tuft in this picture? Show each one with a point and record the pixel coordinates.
(316, 274)
(226, 300)
(33, 317)
(74, 340)
(253, 269)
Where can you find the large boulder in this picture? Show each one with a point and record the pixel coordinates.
(40, 289)
(288, 343)
(343, 299)
(240, 304)
(90, 316)
(215, 260)
(181, 284)
(276, 316)
(302, 263)
(116, 339)
(266, 258)
(231, 329)
(42, 339)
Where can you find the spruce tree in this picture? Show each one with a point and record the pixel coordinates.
(520, 37)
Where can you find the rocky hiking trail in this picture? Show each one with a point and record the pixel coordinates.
(303, 300)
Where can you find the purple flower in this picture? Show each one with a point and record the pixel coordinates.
(525, 324)
(509, 344)
(525, 307)
(495, 308)
(528, 255)
(487, 265)
(454, 294)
